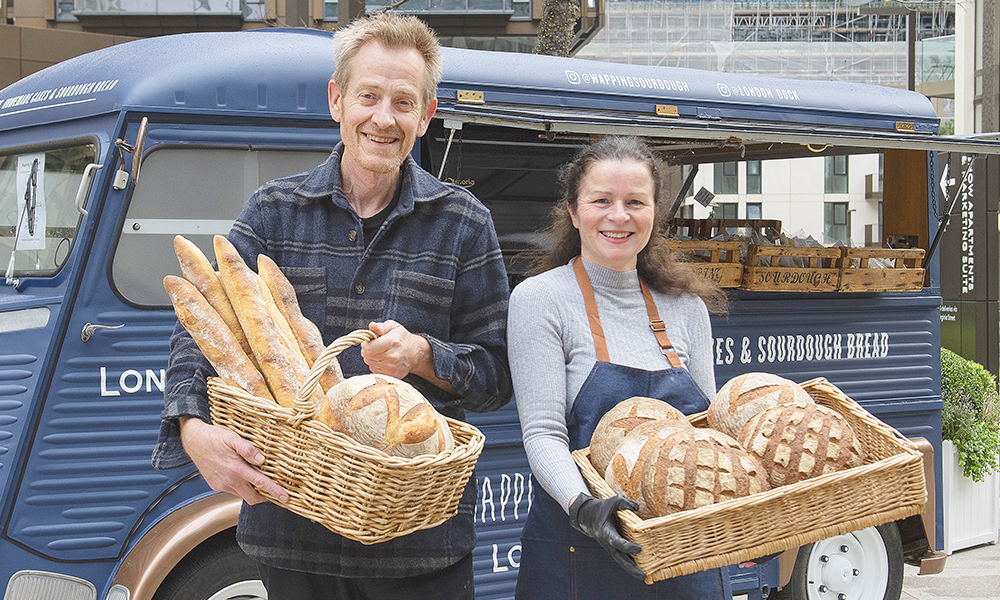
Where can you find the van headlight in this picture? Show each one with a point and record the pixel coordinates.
(118, 592)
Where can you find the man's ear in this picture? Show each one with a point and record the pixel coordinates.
(425, 119)
(333, 93)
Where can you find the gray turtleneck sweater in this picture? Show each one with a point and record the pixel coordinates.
(551, 353)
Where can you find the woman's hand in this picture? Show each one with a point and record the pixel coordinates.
(599, 520)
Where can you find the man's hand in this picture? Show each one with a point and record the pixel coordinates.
(398, 353)
(226, 461)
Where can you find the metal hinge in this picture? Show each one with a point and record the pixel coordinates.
(471, 97)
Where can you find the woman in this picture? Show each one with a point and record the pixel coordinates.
(580, 340)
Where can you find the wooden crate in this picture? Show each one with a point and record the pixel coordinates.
(822, 274)
(722, 265)
(906, 276)
(704, 229)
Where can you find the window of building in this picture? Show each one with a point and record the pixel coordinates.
(836, 175)
(725, 210)
(836, 222)
(755, 210)
(753, 177)
(118, 8)
(727, 178)
(520, 9)
(255, 10)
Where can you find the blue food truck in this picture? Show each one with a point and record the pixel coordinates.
(106, 157)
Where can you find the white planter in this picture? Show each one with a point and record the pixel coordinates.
(971, 510)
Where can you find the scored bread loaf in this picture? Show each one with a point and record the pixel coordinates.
(746, 395)
(199, 271)
(306, 333)
(215, 340)
(243, 289)
(387, 414)
(697, 467)
(801, 440)
(624, 470)
(622, 419)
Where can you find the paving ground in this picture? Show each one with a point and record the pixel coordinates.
(970, 573)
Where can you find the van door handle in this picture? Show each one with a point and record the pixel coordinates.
(89, 330)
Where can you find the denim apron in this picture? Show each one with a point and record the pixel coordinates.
(558, 561)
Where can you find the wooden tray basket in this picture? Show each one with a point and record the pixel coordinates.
(887, 487)
(722, 265)
(906, 276)
(351, 489)
(821, 275)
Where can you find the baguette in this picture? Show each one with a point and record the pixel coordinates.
(243, 289)
(305, 332)
(198, 270)
(215, 340)
(286, 336)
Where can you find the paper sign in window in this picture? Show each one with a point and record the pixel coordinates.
(31, 201)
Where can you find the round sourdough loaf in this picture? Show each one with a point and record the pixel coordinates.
(697, 467)
(746, 395)
(624, 471)
(801, 440)
(622, 419)
(388, 414)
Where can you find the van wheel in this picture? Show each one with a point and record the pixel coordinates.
(221, 572)
(862, 565)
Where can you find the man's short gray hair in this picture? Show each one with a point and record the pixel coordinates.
(392, 32)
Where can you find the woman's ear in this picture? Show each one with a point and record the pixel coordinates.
(571, 209)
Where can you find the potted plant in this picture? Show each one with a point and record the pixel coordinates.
(970, 423)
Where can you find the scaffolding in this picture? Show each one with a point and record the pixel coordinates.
(826, 39)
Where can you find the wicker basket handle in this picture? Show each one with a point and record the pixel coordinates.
(302, 403)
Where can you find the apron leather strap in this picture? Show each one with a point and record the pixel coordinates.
(600, 344)
(659, 328)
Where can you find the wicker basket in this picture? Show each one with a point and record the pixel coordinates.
(351, 489)
(888, 487)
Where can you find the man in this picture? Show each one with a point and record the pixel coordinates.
(369, 239)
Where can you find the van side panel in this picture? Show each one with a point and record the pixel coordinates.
(881, 350)
(27, 330)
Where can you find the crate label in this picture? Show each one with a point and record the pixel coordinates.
(794, 278)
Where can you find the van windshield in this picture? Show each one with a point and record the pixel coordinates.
(38, 215)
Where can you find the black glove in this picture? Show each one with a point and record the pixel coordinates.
(598, 519)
